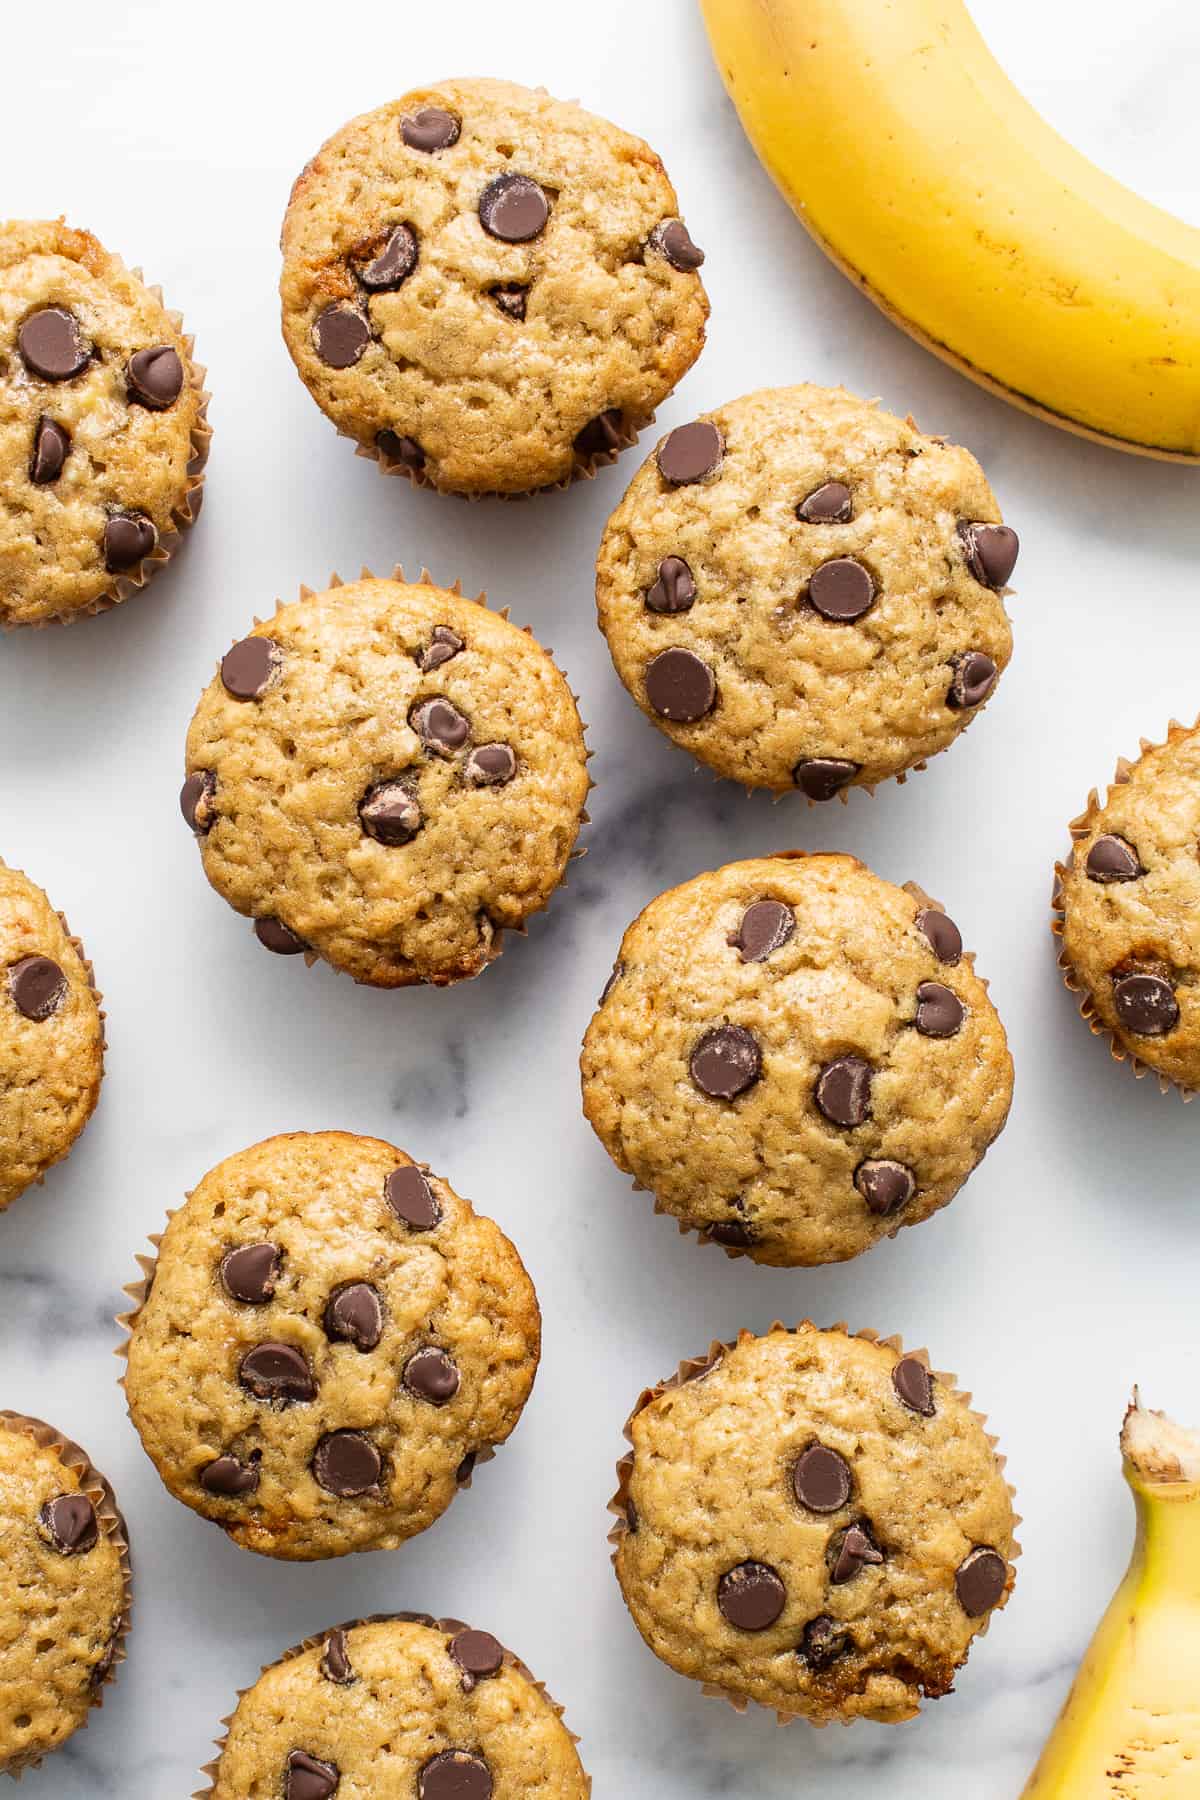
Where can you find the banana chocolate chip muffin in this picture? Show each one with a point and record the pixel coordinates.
(1128, 910)
(51, 1036)
(806, 592)
(796, 1058)
(400, 1705)
(327, 1343)
(490, 290)
(387, 776)
(813, 1521)
(64, 1589)
(102, 429)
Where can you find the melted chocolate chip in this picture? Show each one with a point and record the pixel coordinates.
(196, 798)
(731, 1233)
(512, 297)
(1113, 859)
(914, 1386)
(980, 1581)
(455, 1775)
(822, 1642)
(1146, 1004)
(335, 1664)
(830, 504)
(278, 938)
(726, 1062)
(432, 1376)
(855, 1551)
(154, 377)
(440, 726)
(248, 669)
(690, 452)
(972, 680)
(490, 765)
(346, 1463)
(128, 537)
(766, 926)
(940, 1012)
(941, 934)
(679, 685)
(886, 1186)
(444, 644)
(38, 987)
(843, 1091)
(751, 1596)
(514, 209)
(51, 445)
(400, 451)
(432, 128)
(411, 1198)
(274, 1371)
(821, 777)
(70, 1523)
(674, 241)
(478, 1654)
(229, 1477)
(674, 589)
(822, 1480)
(51, 344)
(394, 263)
(841, 590)
(354, 1315)
(466, 1468)
(390, 813)
(308, 1778)
(601, 436)
(991, 551)
(340, 335)
(618, 969)
(250, 1272)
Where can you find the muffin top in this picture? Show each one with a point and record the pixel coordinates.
(102, 432)
(63, 1588)
(815, 1522)
(51, 1036)
(804, 591)
(489, 288)
(387, 775)
(1129, 900)
(400, 1708)
(796, 1058)
(331, 1338)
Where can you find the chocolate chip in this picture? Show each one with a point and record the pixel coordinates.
(843, 1091)
(914, 1386)
(854, 1553)
(274, 1371)
(751, 1596)
(250, 1272)
(941, 933)
(821, 777)
(601, 436)
(431, 1375)
(618, 969)
(411, 1198)
(307, 1778)
(674, 589)
(346, 1463)
(940, 1012)
(38, 987)
(248, 669)
(822, 1479)
(340, 334)
(478, 1654)
(335, 1664)
(439, 725)
(128, 537)
(731, 1233)
(830, 504)
(766, 926)
(673, 239)
(354, 1315)
(455, 1775)
(980, 1580)
(679, 685)
(432, 128)
(51, 443)
(991, 551)
(403, 451)
(70, 1522)
(886, 1186)
(1146, 1004)
(841, 590)
(822, 1642)
(196, 798)
(632, 1520)
(444, 644)
(51, 344)
(394, 264)
(278, 938)
(466, 1468)
(229, 1476)
(972, 680)
(726, 1062)
(513, 208)
(511, 297)
(690, 452)
(490, 765)
(102, 1669)
(1113, 859)
(154, 377)
(390, 813)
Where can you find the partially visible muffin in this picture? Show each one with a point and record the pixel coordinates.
(815, 1522)
(806, 592)
(103, 434)
(490, 290)
(51, 1036)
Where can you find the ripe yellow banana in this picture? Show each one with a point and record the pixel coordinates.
(924, 174)
(1130, 1729)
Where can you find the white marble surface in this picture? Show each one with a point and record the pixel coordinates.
(1066, 1268)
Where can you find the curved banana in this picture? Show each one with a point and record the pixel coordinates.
(1131, 1724)
(924, 174)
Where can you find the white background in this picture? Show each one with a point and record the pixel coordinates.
(1066, 1269)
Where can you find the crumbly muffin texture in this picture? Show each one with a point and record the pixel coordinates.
(51, 1037)
(331, 1338)
(488, 288)
(807, 592)
(63, 1594)
(401, 1708)
(1129, 902)
(101, 425)
(388, 775)
(814, 1522)
(796, 1058)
